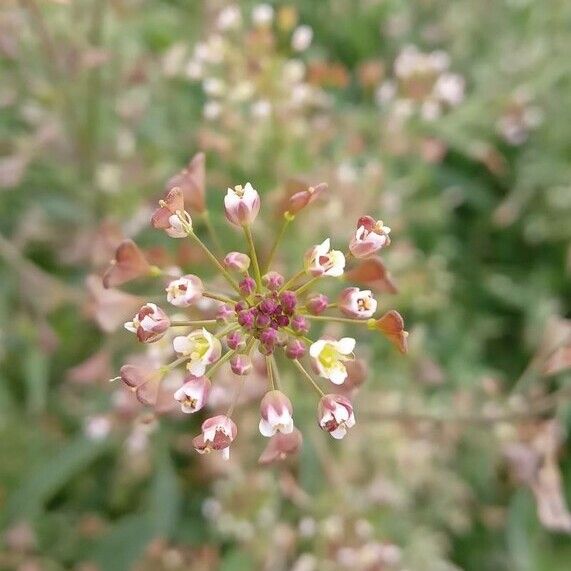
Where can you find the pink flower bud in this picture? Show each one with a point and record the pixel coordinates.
(288, 300)
(218, 432)
(235, 341)
(354, 302)
(335, 415)
(171, 216)
(276, 412)
(295, 349)
(273, 281)
(269, 337)
(263, 320)
(241, 365)
(224, 313)
(240, 306)
(242, 204)
(185, 291)
(282, 320)
(247, 285)
(300, 200)
(391, 325)
(129, 263)
(246, 319)
(237, 261)
(299, 324)
(280, 446)
(371, 236)
(193, 394)
(149, 324)
(317, 304)
(268, 305)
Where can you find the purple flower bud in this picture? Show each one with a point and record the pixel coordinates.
(289, 301)
(282, 320)
(317, 304)
(295, 349)
(235, 341)
(273, 281)
(240, 306)
(299, 324)
(268, 305)
(237, 261)
(223, 313)
(262, 320)
(241, 365)
(269, 337)
(246, 319)
(247, 285)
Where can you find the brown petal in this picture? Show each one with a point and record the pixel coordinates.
(173, 202)
(192, 182)
(391, 324)
(373, 273)
(129, 264)
(280, 447)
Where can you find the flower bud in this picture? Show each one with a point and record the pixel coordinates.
(218, 432)
(193, 394)
(242, 204)
(247, 286)
(303, 198)
(299, 324)
(246, 319)
(371, 236)
(268, 305)
(241, 365)
(240, 306)
(263, 320)
(149, 324)
(185, 291)
(237, 261)
(295, 349)
(269, 338)
(281, 446)
(317, 304)
(335, 415)
(276, 412)
(235, 341)
(282, 320)
(354, 302)
(288, 300)
(273, 281)
(224, 313)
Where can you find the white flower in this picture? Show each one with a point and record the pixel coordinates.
(202, 348)
(276, 414)
(193, 394)
(449, 87)
(184, 291)
(328, 357)
(321, 260)
(213, 86)
(212, 110)
(301, 38)
(242, 204)
(358, 303)
(335, 415)
(229, 19)
(262, 15)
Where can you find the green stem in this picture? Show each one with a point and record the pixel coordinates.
(276, 374)
(218, 297)
(292, 280)
(226, 330)
(277, 242)
(212, 232)
(198, 323)
(216, 262)
(270, 373)
(307, 285)
(302, 370)
(226, 357)
(253, 255)
(336, 319)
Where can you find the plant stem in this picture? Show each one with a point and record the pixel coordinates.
(292, 280)
(302, 370)
(212, 231)
(277, 242)
(336, 319)
(253, 255)
(306, 285)
(218, 297)
(270, 373)
(226, 357)
(216, 262)
(198, 323)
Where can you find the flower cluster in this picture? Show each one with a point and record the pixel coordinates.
(259, 316)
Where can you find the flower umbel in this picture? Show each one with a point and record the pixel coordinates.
(266, 313)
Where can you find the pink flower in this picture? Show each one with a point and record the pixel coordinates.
(276, 412)
(321, 260)
(201, 347)
(358, 303)
(371, 236)
(129, 263)
(185, 291)
(237, 261)
(149, 324)
(171, 216)
(281, 446)
(335, 415)
(218, 432)
(193, 394)
(242, 204)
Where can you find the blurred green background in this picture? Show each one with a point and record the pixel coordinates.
(448, 119)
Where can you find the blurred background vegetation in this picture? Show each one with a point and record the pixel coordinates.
(447, 119)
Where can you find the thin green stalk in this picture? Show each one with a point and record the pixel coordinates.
(212, 232)
(307, 285)
(292, 280)
(302, 370)
(216, 262)
(226, 357)
(277, 242)
(253, 255)
(270, 373)
(198, 323)
(218, 297)
(336, 319)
